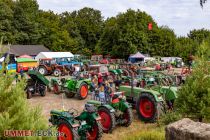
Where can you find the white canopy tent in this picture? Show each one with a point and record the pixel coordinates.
(42, 55)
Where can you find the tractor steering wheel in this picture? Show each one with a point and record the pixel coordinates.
(73, 112)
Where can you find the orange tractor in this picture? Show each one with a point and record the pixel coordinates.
(49, 66)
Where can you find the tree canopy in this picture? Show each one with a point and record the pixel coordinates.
(87, 32)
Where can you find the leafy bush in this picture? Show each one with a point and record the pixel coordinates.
(194, 96)
(15, 112)
(169, 117)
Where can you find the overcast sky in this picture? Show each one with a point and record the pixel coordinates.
(180, 15)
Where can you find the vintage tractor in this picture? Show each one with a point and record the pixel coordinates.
(114, 110)
(98, 69)
(37, 83)
(72, 86)
(72, 126)
(49, 66)
(115, 71)
(152, 100)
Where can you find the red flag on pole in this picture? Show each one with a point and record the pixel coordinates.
(150, 26)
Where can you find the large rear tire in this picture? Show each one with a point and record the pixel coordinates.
(108, 120)
(67, 131)
(44, 91)
(96, 132)
(42, 70)
(29, 95)
(147, 108)
(83, 91)
(128, 116)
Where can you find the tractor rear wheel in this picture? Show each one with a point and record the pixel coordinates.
(83, 91)
(128, 116)
(147, 108)
(42, 70)
(96, 132)
(67, 131)
(57, 73)
(68, 93)
(108, 120)
(43, 91)
(29, 95)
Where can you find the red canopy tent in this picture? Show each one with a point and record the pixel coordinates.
(25, 56)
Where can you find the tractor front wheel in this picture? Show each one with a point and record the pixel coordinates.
(96, 132)
(42, 70)
(108, 120)
(83, 91)
(57, 73)
(147, 108)
(66, 130)
(128, 116)
(68, 93)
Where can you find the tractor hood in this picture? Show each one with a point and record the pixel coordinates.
(137, 91)
(170, 93)
(71, 63)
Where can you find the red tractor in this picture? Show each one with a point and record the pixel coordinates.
(102, 60)
(49, 66)
(98, 69)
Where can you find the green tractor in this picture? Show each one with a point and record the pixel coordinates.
(115, 70)
(71, 126)
(114, 110)
(151, 101)
(71, 87)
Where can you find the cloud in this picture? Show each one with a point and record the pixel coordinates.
(180, 15)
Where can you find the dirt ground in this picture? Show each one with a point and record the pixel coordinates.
(53, 101)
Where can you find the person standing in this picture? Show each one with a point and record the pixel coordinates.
(21, 72)
(100, 80)
(190, 61)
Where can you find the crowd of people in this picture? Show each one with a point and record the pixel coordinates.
(103, 87)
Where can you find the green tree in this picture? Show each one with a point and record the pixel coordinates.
(199, 35)
(6, 18)
(68, 23)
(194, 96)
(15, 111)
(89, 23)
(26, 27)
(126, 33)
(184, 47)
(162, 42)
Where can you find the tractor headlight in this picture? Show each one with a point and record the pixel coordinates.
(83, 123)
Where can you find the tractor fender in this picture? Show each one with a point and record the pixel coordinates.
(109, 107)
(123, 105)
(113, 71)
(157, 96)
(53, 80)
(57, 115)
(79, 82)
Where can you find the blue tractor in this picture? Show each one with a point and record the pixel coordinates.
(69, 63)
